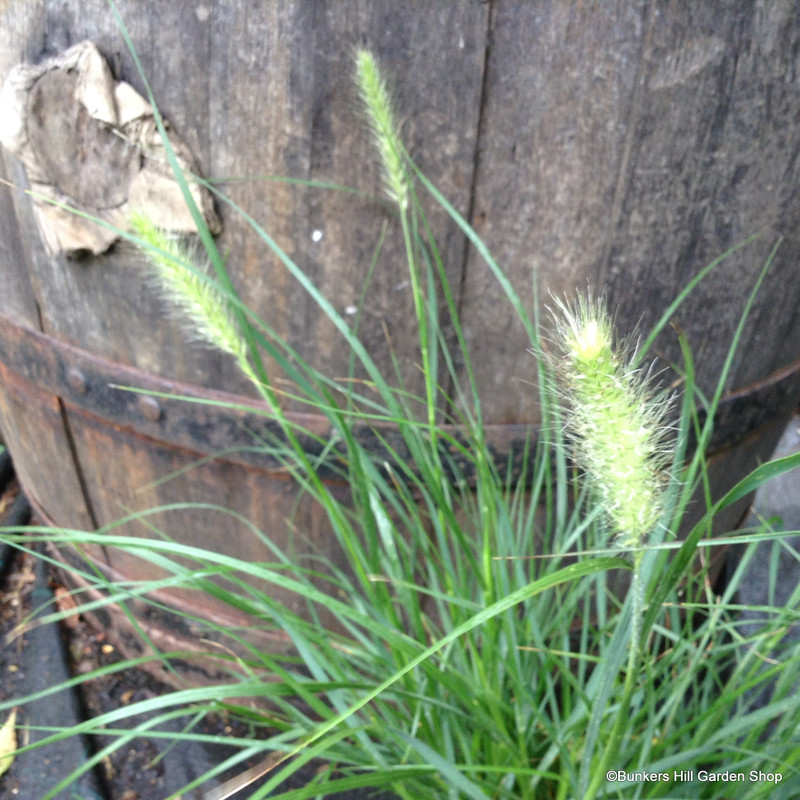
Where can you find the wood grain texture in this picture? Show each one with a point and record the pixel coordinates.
(33, 426)
(260, 91)
(17, 226)
(626, 146)
(623, 146)
(257, 91)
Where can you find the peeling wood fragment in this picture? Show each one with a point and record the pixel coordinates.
(91, 143)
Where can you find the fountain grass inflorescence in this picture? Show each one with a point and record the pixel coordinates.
(616, 420)
(207, 312)
(380, 116)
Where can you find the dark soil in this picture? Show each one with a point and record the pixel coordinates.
(34, 658)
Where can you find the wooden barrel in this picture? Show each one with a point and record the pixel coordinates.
(620, 147)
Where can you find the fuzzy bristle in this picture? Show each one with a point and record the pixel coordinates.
(180, 279)
(377, 104)
(619, 431)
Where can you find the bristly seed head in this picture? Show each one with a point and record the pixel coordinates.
(181, 280)
(619, 432)
(375, 97)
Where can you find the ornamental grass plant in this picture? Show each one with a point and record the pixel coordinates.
(479, 651)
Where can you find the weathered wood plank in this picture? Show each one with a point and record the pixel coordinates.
(17, 299)
(21, 33)
(585, 168)
(266, 90)
(627, 146)
(624, 146)
(303, 121)
(713, 160)
(255, 90)
(34, 432)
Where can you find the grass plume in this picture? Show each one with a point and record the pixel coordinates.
(185, 287)
(374, 95)
(618, 430)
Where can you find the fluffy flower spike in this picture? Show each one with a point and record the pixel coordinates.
(617, 429)
(204, 307)
(378, 107)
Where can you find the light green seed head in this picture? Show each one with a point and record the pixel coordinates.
(185, 287)
(375, 97)
(618, 432)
